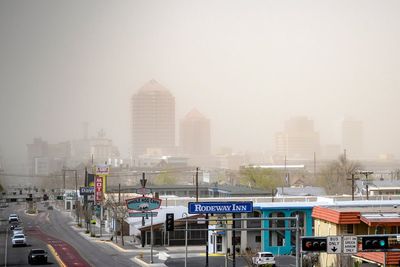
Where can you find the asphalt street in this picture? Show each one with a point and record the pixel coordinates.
(18, 256)
(56, 225)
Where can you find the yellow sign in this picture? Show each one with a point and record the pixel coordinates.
(218, 220)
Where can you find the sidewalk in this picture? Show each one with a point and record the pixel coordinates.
(142, 258)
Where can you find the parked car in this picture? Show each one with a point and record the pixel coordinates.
(38, 256)
(264, 259)
(18, 240)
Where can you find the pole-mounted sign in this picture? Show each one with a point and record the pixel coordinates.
(220, 207)
(143, 203)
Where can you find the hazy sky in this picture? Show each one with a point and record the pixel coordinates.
(247, 65)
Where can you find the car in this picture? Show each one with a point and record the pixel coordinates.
(13, 225)
(18, 240)
(18, 230)
(264, 259)
(13, 218)
(37, 255)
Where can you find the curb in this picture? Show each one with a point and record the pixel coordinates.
(55, 254)
(145, 264)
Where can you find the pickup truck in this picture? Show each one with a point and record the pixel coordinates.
(264, 259)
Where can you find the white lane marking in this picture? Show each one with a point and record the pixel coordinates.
(5, 250)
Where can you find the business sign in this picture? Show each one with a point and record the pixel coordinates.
(143, 214)
(220, 220)
(334, 244)
(86, 191)
(98, 188)
(102, 169)
(350, 244)
(143, 203)
(220, 207)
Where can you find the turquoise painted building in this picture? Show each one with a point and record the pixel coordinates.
(281, 242)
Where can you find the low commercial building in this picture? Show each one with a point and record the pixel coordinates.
(358, 218)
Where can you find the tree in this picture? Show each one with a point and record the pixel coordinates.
(120, 213)
(165, 177)
(334, 176)
(261, 178)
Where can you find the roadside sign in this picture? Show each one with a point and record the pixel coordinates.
(143, 214)
(143, 203)
(87, 190)
(99, 188)
(102, 169)
(350, 244)
(334, 244)
(220, 207)
(216, 220)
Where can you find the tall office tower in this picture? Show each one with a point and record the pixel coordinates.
(153, 120)
(195, 134)
(299, 140)
(352, 138)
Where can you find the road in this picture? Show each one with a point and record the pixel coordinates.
(53, 227)
(18, 256)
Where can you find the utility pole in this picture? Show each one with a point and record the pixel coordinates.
(76, 196)
(64, 179)
(366, 173)
(197, 184)
(352, 185)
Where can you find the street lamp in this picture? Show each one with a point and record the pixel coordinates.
(185, 215)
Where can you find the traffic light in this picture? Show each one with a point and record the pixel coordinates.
(313, 244)
(169, 222)
(375, 242)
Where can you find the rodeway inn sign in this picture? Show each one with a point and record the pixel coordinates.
(220, 207)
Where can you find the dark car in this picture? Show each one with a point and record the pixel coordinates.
(37, 256)
(13, 225)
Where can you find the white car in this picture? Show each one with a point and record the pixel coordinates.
(264, 258)
(13, 217)
(18, 240)
(18, 230)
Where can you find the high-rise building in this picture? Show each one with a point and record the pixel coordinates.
(194, 138)
(352, 138)
(153, 120)
(299, 140)
(44, 158)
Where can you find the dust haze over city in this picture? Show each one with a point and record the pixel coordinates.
(263, 131)
(248, 67)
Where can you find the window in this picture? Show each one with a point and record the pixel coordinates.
(258, 239)
(347, 229)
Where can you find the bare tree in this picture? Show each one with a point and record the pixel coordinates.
(119, 211)
(334, 176)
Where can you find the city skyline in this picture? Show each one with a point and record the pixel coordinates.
(271, 64)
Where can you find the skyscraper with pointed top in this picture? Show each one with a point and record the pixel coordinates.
(153, 120)
(195, 134)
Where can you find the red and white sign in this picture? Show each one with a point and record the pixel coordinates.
(102, 169)
(98, 188)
